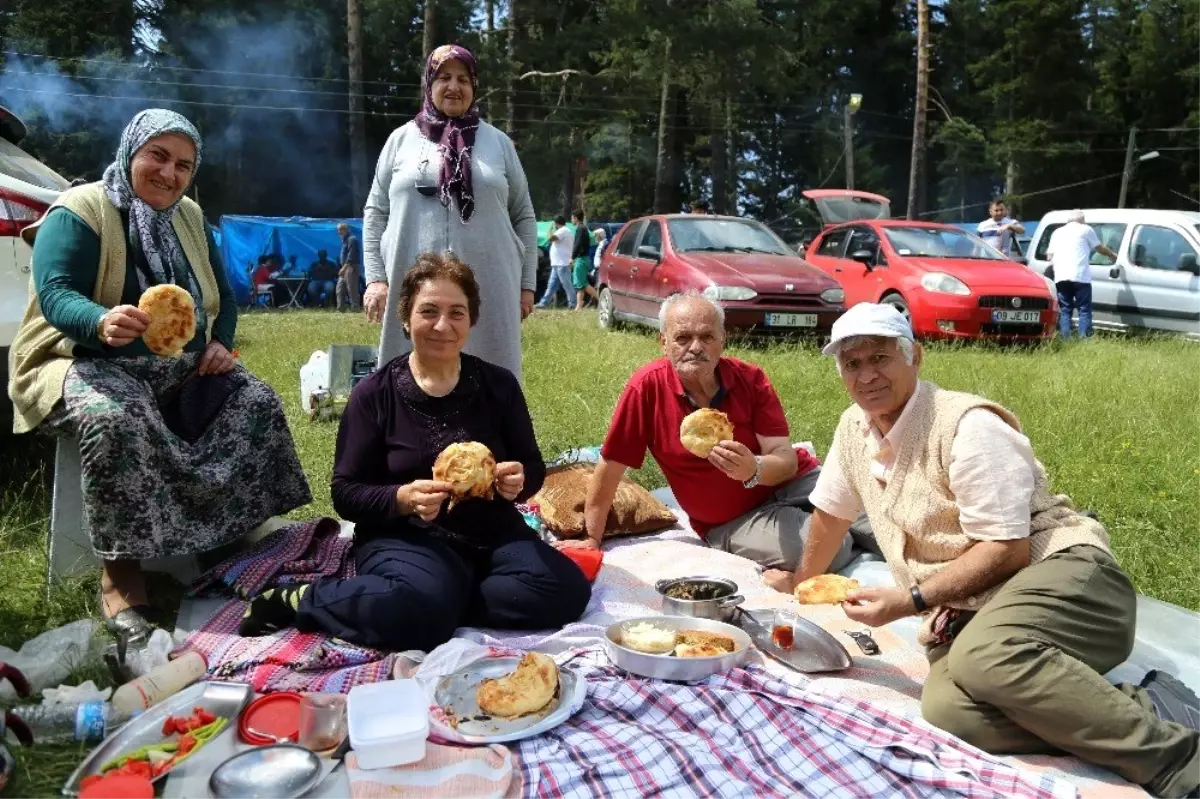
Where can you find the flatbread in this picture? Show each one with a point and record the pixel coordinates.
(699, 651)
(527, 690)
(702, 430)
(470, 467)
(172, 319)
(700, 638)
(825, 589)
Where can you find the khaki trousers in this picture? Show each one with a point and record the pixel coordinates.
(1025, 676)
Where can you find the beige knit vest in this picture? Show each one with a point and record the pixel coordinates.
(41, 354)
(914, 514)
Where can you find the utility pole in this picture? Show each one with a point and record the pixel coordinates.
(848, 133)
(1130, 146)
(916, 174)
(358, 133)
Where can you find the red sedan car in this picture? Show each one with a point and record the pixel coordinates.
(762, 285)
(945, 280)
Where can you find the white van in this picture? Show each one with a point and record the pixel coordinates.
(1155, 282)
(27, 188)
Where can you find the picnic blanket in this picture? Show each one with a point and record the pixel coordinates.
(288, 660)
(746, 733)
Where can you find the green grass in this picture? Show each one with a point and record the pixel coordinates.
(1113, 419)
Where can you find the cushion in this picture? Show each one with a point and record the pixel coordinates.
(561, 500)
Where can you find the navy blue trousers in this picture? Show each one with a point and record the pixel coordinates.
(413, 592)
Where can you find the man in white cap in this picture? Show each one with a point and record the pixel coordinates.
(1025, 608)
(1070, 255)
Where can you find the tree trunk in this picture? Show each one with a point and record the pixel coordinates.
(427, 40)
(666, 144)
(490, 8)
(510, 91)
(916, 175)
(731, 157)
(359, 180)
(720, 162)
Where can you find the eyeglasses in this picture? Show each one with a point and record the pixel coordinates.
(423, 189)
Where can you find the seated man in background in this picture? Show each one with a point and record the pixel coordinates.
(750, 495)
(1025, 607)
(322, 279)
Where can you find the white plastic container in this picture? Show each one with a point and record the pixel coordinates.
(389, 722)
(314, 377)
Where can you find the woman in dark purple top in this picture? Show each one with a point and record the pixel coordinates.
(424, 571)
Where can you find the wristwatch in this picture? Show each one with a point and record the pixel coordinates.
(757, 476)
(918, 599)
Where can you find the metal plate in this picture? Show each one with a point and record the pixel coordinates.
(814, 650)
(669, 667)
(791, 320)
(279, 771)
(455, 694)
(219, 698)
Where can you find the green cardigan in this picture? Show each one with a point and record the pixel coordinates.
(66, 264)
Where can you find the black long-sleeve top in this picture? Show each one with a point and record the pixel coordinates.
(392, 431)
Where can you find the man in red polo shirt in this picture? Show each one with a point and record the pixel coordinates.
(750, 496)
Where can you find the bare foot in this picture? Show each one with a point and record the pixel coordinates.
(121, 586)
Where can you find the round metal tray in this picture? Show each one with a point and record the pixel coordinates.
(669, 667)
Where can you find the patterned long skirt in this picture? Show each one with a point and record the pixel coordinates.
(149, 493)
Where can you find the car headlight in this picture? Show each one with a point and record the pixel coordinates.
(718, 293)
(942, 283)
(833, 296)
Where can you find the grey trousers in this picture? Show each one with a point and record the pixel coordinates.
(775, 533)
(347, 291)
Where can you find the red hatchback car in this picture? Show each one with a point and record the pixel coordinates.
(945, 280)
(763, 286)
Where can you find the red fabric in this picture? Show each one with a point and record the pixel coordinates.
(262, 275)
(588, 560)
(648, 415)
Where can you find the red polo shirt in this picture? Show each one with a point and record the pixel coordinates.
(648, 415)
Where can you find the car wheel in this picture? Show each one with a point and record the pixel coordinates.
(607, 315)
(899, 303)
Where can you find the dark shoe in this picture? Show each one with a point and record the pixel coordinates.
(1173, 701)
(271, 611)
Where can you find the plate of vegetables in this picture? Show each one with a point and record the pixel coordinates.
(156, 742)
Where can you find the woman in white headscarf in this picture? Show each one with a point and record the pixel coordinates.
(448, 181)
(179, 455)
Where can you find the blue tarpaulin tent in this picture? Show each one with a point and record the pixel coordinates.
(244, 238)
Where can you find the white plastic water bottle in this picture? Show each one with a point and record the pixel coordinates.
(84, 723)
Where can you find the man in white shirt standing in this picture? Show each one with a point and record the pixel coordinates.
(999, 228)
(1025, 608)
(1070, 256)
(562, 242)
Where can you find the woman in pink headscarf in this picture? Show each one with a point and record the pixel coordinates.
(447, 180)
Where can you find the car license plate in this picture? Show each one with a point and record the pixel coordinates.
(1001, 316)
(791, 320)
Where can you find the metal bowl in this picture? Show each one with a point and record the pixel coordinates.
(281, 771)
(722, 607)
(669, 667)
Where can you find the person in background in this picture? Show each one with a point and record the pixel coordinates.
(424, 570)
(1025, 608)
(699, 207)
(347, 282)
(999, 229)
(160, 476)
(263, 280)
(601, 236)
(322, 279)
(551, 292)
(449, 181)
(1070, 256)
(580, 263)
(562, 244)
(749, 496)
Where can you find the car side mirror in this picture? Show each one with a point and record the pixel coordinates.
(1188, 263)
(864, 257)
(645, 251)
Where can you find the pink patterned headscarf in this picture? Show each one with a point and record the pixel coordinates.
(454, 136)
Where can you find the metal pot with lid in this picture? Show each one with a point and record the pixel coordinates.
(700, 597)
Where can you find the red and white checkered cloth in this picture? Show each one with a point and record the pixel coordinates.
(749, 734)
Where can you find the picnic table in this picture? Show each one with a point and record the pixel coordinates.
(294, 286)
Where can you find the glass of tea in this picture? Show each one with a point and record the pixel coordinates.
(783, 634)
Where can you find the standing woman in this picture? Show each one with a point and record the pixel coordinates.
(179, 455)
(448, 181)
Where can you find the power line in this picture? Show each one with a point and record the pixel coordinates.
(1025, 194)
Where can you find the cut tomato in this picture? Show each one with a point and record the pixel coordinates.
(204, 716)
(89, 780)
(186, 744)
